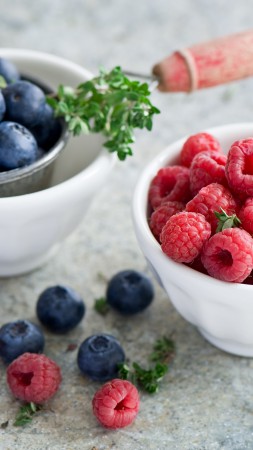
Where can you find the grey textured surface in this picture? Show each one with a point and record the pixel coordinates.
(205, 402)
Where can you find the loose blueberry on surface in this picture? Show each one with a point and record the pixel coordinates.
(20, 337)
(8, 71)
(18, 147)
(60, 308)
(98, 357)
(2, 106)
(129, 292)
(25, 103)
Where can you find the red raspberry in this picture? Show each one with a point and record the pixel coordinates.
(207, 168)
(246, 215)
(195, 144)
(197, 265)
(228, 255)
(212, 198)
(33, 378)
(183, 236)
(161, 214)
(171, 183)
(116, 403)
(239, 167)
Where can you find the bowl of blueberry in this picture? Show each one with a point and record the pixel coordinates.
(44, 169)
(193, 217)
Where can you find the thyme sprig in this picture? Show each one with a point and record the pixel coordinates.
(26, 413)
(149, 379)
(110, 104)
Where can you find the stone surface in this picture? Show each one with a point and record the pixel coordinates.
(205, 401)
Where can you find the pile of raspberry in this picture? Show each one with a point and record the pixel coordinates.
(201, 209)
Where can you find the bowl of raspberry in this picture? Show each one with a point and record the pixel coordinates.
(193, 218)
(47, 177)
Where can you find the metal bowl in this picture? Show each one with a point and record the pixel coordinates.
(35, 176)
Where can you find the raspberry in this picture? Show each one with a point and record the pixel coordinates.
(116, 403)
(207, 168)
(33, 378)
(228, 255)
(212, 198)
(161, 214)
(195, 144)
(183, 236)
(239, 167)
(246, 215)
(171, 183)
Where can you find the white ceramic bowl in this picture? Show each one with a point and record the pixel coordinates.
(33, 225)
(222, 312)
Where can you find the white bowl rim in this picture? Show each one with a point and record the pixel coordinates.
(139, 204)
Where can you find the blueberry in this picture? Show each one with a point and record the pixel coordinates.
(9, 71)
(60, 308)
(98, 357)
(129, 292)
(18, 147)
(20, 337)
(47, 131)
(25, 102)
(2, 106)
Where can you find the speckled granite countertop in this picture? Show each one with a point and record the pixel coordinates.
(205, 402)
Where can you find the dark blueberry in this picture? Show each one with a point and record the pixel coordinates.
(9, 71)
(60, 308)
(18, 147)
(25, 103)
(129, 292)
(48, 129)
(2, 106)
(98, 357)
(20, 337)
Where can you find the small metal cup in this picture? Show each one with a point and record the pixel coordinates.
(37, 175)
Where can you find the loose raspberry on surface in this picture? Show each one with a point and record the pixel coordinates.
(161, 214)
(228, 255)
(33, 378)
(207, 168)
(116, 403)
(211, 198)
(184, 235)
(171, 183)
(239, 167)
(246, 215)
(195, 144)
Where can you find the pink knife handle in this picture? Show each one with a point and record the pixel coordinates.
(208, 64)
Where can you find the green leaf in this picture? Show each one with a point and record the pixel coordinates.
(110, 104)
(3, 83)
(25, 414)
(163, 351)
(226, 221)
(101, 306)
(148, 379)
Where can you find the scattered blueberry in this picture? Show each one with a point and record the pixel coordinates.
(2, 106)
(98, 357)
(129, 292)
(18, 147)
(60, 308)
(8, 71)
(20, 337)
(25, 103)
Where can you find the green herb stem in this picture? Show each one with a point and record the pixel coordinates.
(109, 104)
